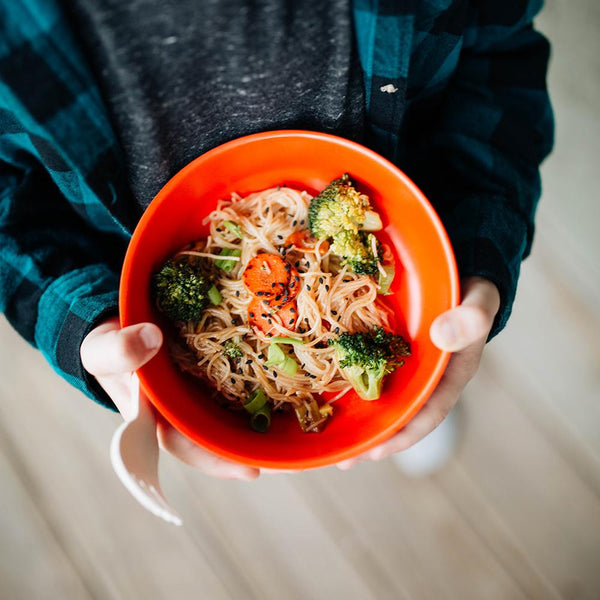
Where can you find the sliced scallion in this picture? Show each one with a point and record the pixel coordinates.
(233, 228)
(275, 355)
(286, 340)
(260, 421)
(256, 401)
(227, 264)
(214, 295)
(289, 366)
(385, 282)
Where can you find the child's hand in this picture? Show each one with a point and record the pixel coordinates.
(462, 330)
(111, 354)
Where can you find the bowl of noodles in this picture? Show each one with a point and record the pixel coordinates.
(295, 276)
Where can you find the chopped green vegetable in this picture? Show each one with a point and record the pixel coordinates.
(357, 251)
(233, 228)
(260, 421)
(366, 357)
(226, 264)
(386, 282)
(260, 411)
(289, 366)
(256, 401)
(276, 357)
(214, 295)
(231, 349)
(310, 417)
(340, 207)
(183, 288)
(286, 340)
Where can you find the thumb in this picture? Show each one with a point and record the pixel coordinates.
(470, 322)
(108, 349)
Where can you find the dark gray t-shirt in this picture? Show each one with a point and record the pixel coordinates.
(182, 76)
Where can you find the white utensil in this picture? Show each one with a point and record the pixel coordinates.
(134, 455)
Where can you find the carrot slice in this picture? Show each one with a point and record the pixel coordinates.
(304, 241)
(262, 316)
(266, 275)
(286, 294)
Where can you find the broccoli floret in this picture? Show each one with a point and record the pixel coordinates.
(232, 350)
(356, 249)
(340, 207)
(366, 357)
(183, 288)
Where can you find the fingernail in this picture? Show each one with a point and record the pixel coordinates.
(150, 337)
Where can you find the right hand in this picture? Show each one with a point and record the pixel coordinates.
(111, 354)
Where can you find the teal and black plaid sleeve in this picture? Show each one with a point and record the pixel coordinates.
(466, 114)
(62, 237)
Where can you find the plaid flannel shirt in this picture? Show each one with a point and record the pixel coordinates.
(455, 95)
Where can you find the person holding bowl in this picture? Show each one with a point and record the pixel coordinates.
(101, 103)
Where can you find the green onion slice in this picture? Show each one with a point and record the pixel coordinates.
(386, 282)
(256, 401)
(214, 295)
(286, 340)
(289, 366)
(275, 355)
(226, 264)
(260, 421)
(233, 228)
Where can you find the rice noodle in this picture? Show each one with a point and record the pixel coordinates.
(331, 300)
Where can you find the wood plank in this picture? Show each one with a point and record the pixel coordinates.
(251, 539)
(270, 533)
(541, 500)
(412, 532)
(119, 550)
(33, 565)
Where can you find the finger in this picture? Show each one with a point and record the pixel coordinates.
(109, 350)
(470, 322)
(193, 455)
(461, 369)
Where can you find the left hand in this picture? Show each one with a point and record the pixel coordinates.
(463, 331)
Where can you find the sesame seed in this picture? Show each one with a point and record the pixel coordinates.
(326, 288)
(308, 287)
(249, 361)
(275, 374)
(294, 223)
(302, 222)
(320, 280)
(291, 322)
(237, 293)
(232, 380)
(261, 356)
(251, 315)
(334, 312)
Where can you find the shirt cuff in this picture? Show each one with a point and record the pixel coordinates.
(490, 240)
(68, 310)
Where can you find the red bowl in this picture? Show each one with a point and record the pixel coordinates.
(426, 285)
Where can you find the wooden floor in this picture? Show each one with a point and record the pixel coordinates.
(515, 515)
